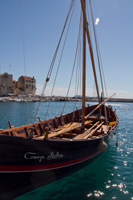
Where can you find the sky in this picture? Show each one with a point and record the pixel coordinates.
(30, 31)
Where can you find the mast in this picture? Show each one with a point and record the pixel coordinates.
(84, 69)
(89, 43)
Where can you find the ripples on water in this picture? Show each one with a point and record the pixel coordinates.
(109, 177)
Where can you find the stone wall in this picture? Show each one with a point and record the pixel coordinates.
(6, 83)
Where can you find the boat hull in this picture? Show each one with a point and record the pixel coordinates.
(27, 164)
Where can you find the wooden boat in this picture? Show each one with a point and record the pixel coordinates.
(40, 153)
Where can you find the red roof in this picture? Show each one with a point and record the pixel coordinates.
(27, 77)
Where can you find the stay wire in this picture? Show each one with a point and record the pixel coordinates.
(53, 60)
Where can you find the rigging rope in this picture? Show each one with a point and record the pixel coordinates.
(73, 66)
(78, 71)
(96, 46)
(22, 21)
(98, 57)
(53, 60)
(88, 18)
(98, 52)
(60, 59)
(90, 33)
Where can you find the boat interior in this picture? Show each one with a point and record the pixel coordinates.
(68, 126)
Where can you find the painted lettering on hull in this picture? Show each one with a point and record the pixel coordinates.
(35, 156)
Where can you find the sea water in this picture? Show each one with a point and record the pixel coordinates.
(109, 177)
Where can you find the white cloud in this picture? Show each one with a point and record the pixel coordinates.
(97, 21)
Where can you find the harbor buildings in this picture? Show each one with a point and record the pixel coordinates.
(6, 84)
(25, 85)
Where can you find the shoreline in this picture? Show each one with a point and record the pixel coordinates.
(119, 100)
(55, 99)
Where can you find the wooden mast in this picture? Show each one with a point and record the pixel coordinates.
(89, 43)
(84, 69)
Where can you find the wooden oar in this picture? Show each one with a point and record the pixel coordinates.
(93, 131)
(65, 126)
(60, 130)
(81, 136)
(68, 129)
(98, 106)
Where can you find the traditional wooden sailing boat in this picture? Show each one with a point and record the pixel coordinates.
(37, 154)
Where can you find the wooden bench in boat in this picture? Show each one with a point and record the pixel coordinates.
(68, 128)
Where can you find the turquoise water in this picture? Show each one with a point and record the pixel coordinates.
(109, 177)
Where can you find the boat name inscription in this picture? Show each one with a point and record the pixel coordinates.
(35, 156)
(54, 156)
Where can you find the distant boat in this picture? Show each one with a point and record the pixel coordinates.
(36, 100)
(62, 99)
(40, 153)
